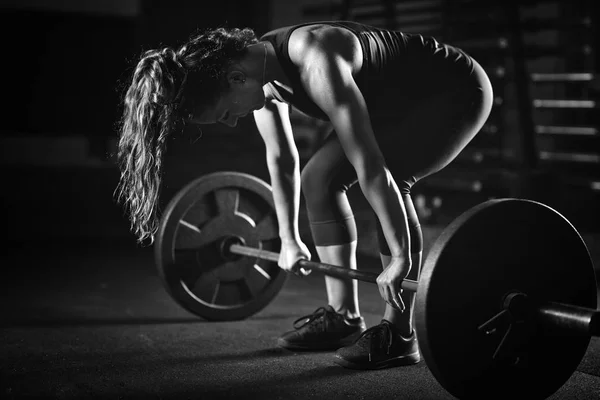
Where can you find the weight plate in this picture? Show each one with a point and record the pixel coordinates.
(188, 256)
(498, 247)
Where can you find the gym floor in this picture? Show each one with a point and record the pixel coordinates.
(94, 321)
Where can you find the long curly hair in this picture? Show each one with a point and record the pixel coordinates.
(167, 86)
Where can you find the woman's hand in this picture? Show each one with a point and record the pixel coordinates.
(390, 279)
(291, 252)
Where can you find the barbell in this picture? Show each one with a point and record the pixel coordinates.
(505, 305)
(235, 245)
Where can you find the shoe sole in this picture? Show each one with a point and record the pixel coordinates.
(400, 361)
(319, 346)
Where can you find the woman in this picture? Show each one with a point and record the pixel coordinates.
(402, 107)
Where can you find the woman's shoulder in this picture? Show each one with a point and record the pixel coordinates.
(321, 37)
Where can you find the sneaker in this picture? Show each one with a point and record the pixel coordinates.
(379, 347)
(324, 329)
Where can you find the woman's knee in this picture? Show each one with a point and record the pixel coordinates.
(329, 211)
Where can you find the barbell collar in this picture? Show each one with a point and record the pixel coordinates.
(327, 269)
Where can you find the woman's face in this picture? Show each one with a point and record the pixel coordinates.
(243, 96)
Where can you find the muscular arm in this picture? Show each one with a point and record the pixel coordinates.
(328, 79)
(283, 163)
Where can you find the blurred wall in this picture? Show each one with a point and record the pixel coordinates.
(107, 7)
(64, 62)
(67, 64)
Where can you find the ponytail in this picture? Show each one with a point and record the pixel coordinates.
(167, 87)
(149, 115)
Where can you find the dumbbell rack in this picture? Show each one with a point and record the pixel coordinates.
(517, 146)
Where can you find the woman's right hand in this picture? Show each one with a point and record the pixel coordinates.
(291, 252)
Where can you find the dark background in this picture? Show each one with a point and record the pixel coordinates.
(83, 311)
(65, 64)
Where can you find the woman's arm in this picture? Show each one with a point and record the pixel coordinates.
(327, 78)
(274, 125)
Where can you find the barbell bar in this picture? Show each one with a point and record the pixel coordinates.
(505, 306)
(327, 269)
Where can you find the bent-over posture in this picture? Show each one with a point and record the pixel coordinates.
(402, 107)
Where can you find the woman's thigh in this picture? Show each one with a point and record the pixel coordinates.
(326, 178)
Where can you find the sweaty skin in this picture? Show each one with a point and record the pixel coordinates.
(328, 59)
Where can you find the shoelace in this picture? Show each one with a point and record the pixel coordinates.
(319, 312)
(384, 333)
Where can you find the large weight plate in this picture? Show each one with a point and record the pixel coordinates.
(498, 247)
(191, 267)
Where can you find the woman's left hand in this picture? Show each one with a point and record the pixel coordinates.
(390, 279)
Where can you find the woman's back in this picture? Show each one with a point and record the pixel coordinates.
(402, 66)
